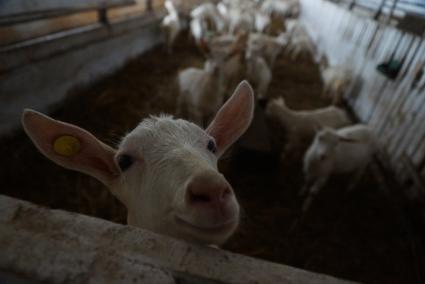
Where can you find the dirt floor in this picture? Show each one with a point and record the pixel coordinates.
(357, 235)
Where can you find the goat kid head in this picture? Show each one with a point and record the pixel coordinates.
(164, 171)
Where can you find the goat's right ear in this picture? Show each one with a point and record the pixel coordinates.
(70, 146)
(233, 118)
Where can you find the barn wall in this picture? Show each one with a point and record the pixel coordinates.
(40, 74)
(23, 22)
(41, 61)
(394, 108)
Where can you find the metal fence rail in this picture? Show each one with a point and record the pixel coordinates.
(394, 107)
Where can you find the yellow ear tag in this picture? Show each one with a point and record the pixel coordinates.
(67, 145)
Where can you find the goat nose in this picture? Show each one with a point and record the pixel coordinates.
(208, 190)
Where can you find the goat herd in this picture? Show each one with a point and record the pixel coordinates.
(165, 170)
(241, 40)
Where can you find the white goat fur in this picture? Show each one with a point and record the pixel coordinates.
(295, 28)
(230, 50)
(301, 126)
(346, 150)
(299, 43)
(201, 92)
(172, 24)
(299, 47)
(259, 75)
(203, 17)
(167, 154)
(279, 8)
(336, 80)
(266, 46)
(240, 21)
(262, 22)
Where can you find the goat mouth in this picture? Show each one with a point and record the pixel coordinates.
(213, 229)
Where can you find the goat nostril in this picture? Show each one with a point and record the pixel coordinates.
(199, 198)
(206, 191)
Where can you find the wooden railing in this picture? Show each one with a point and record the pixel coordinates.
(18, 11)
(55, 54)
(407, 15)
(20, 21)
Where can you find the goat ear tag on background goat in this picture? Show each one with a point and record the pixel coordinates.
(66, 145)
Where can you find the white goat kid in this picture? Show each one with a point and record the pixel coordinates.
(300, 47)
(171, 24)
(164, 171)
(266, 46)
(222, 42)
(259, 74)
(346, 150)
(206, 22)
(301, 126)
(262, 22)
(241, 21)
(232, 49)
(299, 43)
(201, 92)
(336, 81)
(295, 28)
(277, 8)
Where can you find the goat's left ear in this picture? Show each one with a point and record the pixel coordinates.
(233, 118)
(70, 146)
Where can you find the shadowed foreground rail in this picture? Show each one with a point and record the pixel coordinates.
(62, 247)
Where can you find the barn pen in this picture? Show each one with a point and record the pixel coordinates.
(104, 65)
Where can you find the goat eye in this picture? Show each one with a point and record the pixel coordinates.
(211, 146)
(125, 161)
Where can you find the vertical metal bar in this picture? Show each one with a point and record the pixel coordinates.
(391, 12)
(379, 11)
(352, 5)
(372, 38)
(414, 174)
(399, 96)
(406, 134)
(379, 95)
(393, 54)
